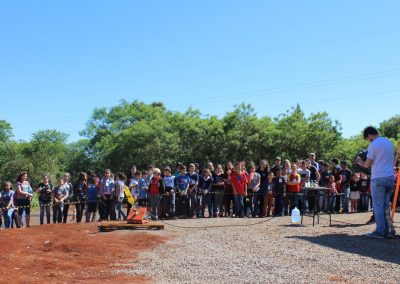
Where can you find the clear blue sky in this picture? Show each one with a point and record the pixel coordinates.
(61, 59)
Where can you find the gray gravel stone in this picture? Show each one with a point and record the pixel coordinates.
(274, 251)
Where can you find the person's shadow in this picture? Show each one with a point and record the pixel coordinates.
(382, 249)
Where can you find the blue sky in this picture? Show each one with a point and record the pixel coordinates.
(61, 59)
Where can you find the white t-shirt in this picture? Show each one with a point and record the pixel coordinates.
(380, 151)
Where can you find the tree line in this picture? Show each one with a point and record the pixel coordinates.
(142, 134)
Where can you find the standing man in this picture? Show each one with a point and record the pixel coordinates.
(380, 159)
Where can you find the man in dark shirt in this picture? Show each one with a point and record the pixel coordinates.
(345, 186)
(263, 170)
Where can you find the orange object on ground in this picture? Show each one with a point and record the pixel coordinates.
(136, 216)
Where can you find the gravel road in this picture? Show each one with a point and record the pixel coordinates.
(274, 251)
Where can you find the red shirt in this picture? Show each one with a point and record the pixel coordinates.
(239, 181)
(154, 186)
(294, 177)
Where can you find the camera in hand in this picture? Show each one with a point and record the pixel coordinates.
(356, 168)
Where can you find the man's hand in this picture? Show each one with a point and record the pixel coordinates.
(359, 161)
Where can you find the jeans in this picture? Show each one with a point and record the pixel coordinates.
(279, 202)
(191, 203)
(323, 201)
(381, 189)
(121, 214)
(304, 200)
(57, 213)
(155, 206)
(345, 199)
(294, 201)
(364, 201)
(218, 201)
(332, 203)
(239, 205)
(43, 207)
(206, 199)
(8, 217)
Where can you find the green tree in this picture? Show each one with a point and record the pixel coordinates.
(391, 128)
(47, 153)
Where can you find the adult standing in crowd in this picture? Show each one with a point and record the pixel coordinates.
(69, 188)
(7, 209)
(80, 191)
(263, 171)
(44, 190)
(107, 191)
(380, 159)
(24, 197)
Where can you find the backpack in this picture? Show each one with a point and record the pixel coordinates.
(128, 195)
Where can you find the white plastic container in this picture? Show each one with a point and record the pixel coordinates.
(296, 215)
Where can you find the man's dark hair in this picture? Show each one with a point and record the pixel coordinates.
(370, 131)
(336, 161)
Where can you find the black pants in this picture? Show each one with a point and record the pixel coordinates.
(57, 213)
(228, 198)
(166, 205)
(181, 205)
(260, 198)
(65, 212)
(79, 210)
(109, 208)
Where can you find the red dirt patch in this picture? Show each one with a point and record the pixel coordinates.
(70, 253)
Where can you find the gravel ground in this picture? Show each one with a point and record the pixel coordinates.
(274, 251)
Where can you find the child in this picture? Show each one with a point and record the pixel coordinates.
(80, 191)
(69, 188)
(121, 179)
(135, 192)
(218, 191)
(168, 200)
(332, 192)
(24, 194)
(239, 185)
(44, 190)
(364, 192)
(279, 192)
(253, 191)
(345, 186)
(7, 204)
(107, 192)
(191, 194)
(155, 190)
(270, 194)
(228, 196)
(294, 188)
(60, 194)
(338, 180)
(182, 185)
(92, 199)
(354, 192)
(204, 195)
(143, 184)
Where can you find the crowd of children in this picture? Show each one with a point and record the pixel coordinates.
(235, 190)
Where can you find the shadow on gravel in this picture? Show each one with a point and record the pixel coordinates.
(347, 225)
(380, 249)
(293, 225)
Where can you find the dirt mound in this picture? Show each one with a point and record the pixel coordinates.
(70, 253)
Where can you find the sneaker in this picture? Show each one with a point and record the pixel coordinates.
(374, 235)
